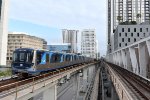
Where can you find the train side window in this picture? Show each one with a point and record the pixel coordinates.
(47, 57)
(39, 57)
(57, 58)
(68, 57)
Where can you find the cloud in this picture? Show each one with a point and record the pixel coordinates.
(76, 14)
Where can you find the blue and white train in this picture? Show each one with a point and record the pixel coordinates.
(31, 62)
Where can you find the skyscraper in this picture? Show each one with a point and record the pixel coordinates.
(70, 36)
(3, 30)
(130, 10)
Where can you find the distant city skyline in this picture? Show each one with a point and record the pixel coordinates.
(46, 18)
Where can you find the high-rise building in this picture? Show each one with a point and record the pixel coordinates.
(3, 30)
(130, 10)
(126, 11)
(71, 36)
(88, 43)
(22, 40)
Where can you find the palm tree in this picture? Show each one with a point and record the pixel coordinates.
(119, 18)
(138, 16)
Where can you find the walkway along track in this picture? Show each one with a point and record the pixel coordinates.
(10, 86)
(138, 85)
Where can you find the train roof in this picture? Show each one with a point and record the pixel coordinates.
(24, 49)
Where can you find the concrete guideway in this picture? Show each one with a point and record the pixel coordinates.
(46, 85)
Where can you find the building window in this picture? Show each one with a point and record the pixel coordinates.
(140, 29)
(134, 39)
(119, 44)
(128, 29)
(126, 34)
(134, 29)
(126, 44)
(122, 39)
(10, 58)
(128, 39)
(7, 58)
(122, 29)
(144, 34)
(132, 34)
(147, 29)
(120, 34)
(138, 34)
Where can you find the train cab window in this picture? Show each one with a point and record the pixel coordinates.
(22, 56)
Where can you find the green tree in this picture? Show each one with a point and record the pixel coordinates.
(138, 16)
(119, 18)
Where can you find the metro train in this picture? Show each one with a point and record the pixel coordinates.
(31, 62)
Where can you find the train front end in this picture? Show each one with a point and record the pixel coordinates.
(23, 62)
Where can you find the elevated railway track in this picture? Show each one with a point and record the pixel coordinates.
(129, 85)
(15, 85)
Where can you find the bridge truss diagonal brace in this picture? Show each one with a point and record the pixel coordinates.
(124, 59)
(134, 62)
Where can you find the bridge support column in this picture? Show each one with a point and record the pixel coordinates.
(129, 66)
(85, 75)
(123, 58)
(91, 73)
(50, 94)
(142, 59)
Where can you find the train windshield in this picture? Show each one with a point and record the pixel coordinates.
(23, 57)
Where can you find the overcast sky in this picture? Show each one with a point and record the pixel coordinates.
(46, 18)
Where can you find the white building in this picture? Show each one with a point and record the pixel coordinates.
(128, 34)
(3, 30)
(88, 43)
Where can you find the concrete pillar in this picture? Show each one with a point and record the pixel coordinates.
(117, 58)
(148, 46)
(148, 58)
(90, 74)
(3, 31)
(123, 56)
(120, 59)
(142, 59)
(113, 61)
(76, 85)
(128, 61)
(85, 75)
(134, 62)
(50, 94)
